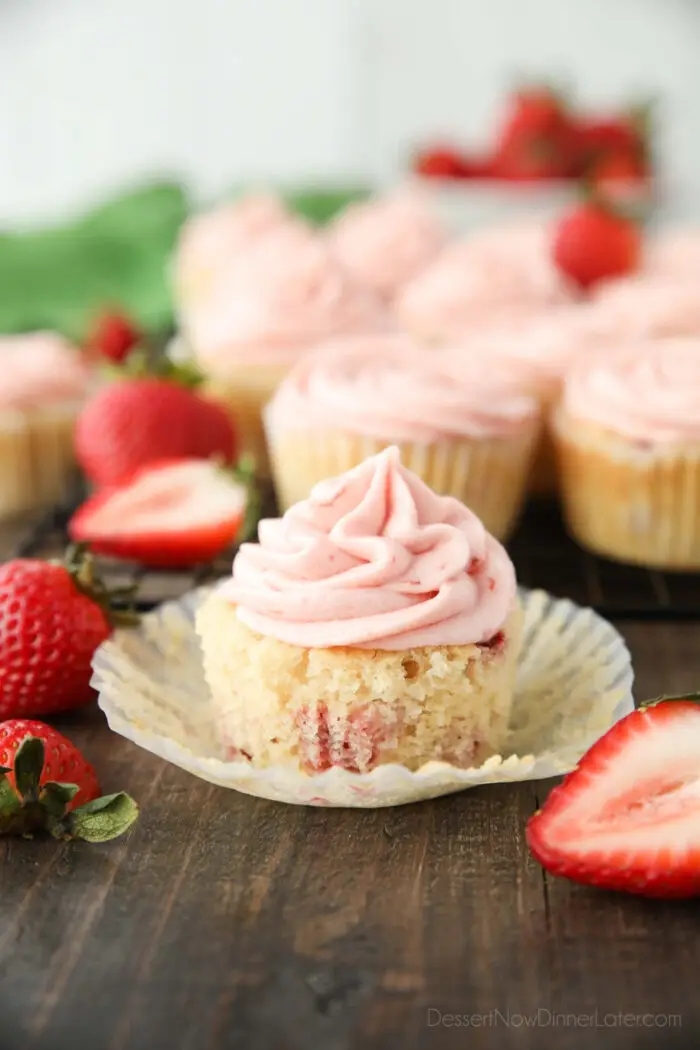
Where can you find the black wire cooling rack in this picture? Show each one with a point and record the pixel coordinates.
(544, 557)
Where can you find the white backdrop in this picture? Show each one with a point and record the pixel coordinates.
(95, 93)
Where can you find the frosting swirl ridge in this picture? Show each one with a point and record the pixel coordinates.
(386, 241)
(374, 559)
(647, 391)
(288, 294)
(387, 387)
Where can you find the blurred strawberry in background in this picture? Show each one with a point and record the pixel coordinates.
(542, 136)
(150, 413)
(537, 139)
(594, 242)
(447, 162)
(113, 337)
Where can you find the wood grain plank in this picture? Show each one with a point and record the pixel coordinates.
(224, 921)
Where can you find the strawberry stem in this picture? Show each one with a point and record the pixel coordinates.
(692, 697)
(27, 808)
(140, 364)
(244, 474)
(80, 565)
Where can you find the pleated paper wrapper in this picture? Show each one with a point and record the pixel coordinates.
(574, 681)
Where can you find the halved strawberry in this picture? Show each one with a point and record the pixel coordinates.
(168, 515)
(628, 817)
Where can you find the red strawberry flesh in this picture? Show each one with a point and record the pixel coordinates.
(628, 818)
(169, 515)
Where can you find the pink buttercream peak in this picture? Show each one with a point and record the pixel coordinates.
(39, 369)
(287, 295)
(648, 391)
(212, 238)
(388, 240)
(388, 387)
(374, 559)
(507, 272)
(648, 305)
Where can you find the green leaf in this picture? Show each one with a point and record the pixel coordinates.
(116, 257)
(55, 797)
(29, 763)
(98, 821)
(319, 205)
(688, 697)
(10, 802)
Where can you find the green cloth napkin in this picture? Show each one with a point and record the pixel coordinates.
(117, 257)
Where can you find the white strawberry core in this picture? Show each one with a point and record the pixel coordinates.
(184, 495)
(646, 796)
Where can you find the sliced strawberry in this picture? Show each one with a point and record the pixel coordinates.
(628, 817)
(167, 515)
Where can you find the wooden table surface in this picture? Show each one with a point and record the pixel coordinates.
(223, 921)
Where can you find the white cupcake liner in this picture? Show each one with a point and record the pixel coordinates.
(574, 681)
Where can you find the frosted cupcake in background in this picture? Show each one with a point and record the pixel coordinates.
(466, 427)
(289, 295)
(374, 623)
(214, 239)
(43, 382)
(537, 350)
(675, 255)
(499, 275)
(648, 307)
(386, 241)
(628, 439)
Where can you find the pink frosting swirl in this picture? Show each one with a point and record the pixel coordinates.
(389, 388)
(647, 391)
(502, 272)
(386, 241)
(675, 254)
(637, 307)
(40, 369)
(537, 348)
(374, 560)
(213, 238)
(288, 294)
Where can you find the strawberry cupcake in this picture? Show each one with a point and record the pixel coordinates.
(374, 623)
(387, 241)
(537, 350)
(497, 275)
(647, 306)
(211, 240)
(467, 430)
(628, 437)
(42, 385)
(288, 296)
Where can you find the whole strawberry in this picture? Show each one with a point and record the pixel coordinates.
(536, 139)
(47, 785)
(595, 243)
(113, 337)
(626, 134)
(144, 418)
(52, 618)
(441, 162)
